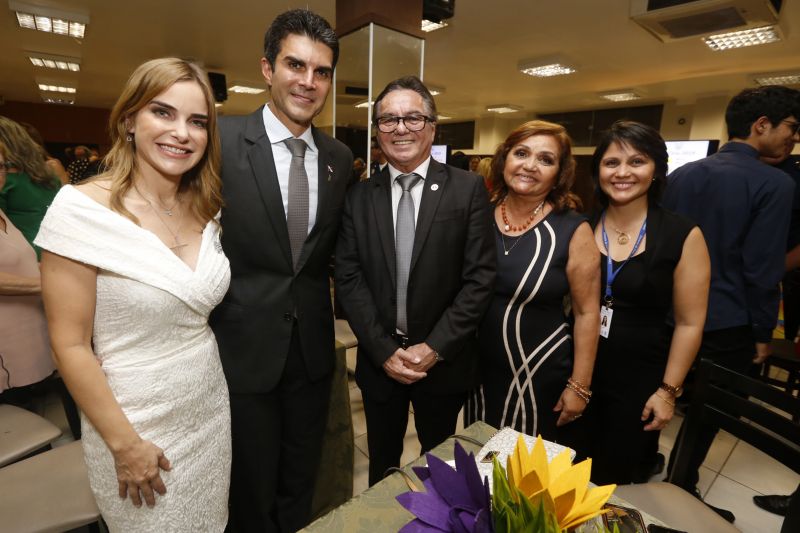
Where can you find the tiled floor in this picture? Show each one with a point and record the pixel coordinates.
(732, 474)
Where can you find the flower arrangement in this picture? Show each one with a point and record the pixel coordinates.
(530, 495)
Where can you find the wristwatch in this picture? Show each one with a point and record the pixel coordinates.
(438, 357)
(675, 391)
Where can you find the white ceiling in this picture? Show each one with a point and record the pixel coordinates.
(475, 58)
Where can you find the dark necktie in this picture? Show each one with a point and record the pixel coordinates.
(297, 212)
(404, 244)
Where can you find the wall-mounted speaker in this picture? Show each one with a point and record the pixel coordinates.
(218, 86)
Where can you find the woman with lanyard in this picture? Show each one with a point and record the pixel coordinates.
(652, 262)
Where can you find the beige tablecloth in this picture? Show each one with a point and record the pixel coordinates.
(375, 510)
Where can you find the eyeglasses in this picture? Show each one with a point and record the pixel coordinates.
(411, 122)
(794, 126)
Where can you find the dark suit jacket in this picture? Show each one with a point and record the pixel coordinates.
(450, 283)
(253, 324)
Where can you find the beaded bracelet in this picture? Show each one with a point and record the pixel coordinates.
(578, 392)
(580, 387)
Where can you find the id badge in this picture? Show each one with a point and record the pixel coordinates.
(605, 320)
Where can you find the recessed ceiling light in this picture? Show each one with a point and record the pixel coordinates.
(72, 64)
(442, 116)
(57, 100)
(50, 20)
(743, 38)
(503, 108)
(244, 89)
(363, 104)
(434, 90)
(778, 79)
(546, 68)
(57, 88)
(621, 96)
(217, 104)
(429, 25)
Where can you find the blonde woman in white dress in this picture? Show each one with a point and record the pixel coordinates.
(131, 270)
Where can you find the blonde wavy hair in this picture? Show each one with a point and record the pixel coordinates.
(202, 183)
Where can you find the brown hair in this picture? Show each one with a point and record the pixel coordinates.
(560, 195)
(26, 154)
(148, 81)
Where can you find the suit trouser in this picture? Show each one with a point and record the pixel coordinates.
(732, 348)
(277, 442)
(435, 418)
(791, 524)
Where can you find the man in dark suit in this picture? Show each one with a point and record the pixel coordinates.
(414, 272)
(283, 183)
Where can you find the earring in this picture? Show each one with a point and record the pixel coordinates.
(129, 138)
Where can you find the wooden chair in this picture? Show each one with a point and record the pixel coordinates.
(784, 357)
(23, 433)
(741, 406)
(48, 492)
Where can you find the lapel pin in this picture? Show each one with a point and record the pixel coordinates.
(330, 169)
(435, 187)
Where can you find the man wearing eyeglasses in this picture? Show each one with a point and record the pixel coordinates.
(415, 266)
(743, 207)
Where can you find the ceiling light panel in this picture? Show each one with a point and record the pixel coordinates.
(57, 88)
(49, 20)
(71, 64)
(503, 108)
(743, 38)
(621, 96)
(244, 89)
(546, 67)
(58, 100)
(781, 79)
(429, 25)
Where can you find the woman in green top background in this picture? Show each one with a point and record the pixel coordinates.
(30, 185)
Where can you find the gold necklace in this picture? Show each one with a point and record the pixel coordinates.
(177, 244)
(622, 237)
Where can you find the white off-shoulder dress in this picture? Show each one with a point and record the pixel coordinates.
(161, 360)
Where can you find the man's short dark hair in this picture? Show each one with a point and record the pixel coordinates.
(299, 22)
(772, 101)
(412, 83)
(642, 138)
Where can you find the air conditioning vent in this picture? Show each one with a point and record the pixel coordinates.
(680, 20)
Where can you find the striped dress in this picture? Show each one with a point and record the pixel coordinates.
(525, 338)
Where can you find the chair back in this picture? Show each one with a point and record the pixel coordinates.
(744, 407)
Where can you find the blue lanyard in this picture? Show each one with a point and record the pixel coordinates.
(611, 274)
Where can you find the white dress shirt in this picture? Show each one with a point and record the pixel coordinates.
(416, 190)
(277, 133)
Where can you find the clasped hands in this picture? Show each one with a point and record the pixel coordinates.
(409, 365)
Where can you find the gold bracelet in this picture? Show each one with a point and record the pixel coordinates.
(580, 394)
(579, 386)
(665, 400)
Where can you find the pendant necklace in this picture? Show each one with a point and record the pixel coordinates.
(177, 244)
(622, 237)
(166, 210)
(503, 241)
(507, 225)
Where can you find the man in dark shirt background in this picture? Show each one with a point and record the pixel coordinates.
(743, 207)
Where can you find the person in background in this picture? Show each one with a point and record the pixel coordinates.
(30, 186)
(284, 186)
(653, 262)
(473, 163)
(535, 367)
(25, 357)
(779, 503)
(55, 166)
(132, 268)
(77, 168)
(743, 208)
(359, 170)
(414, 273)
(377, 158)
(485, 171)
